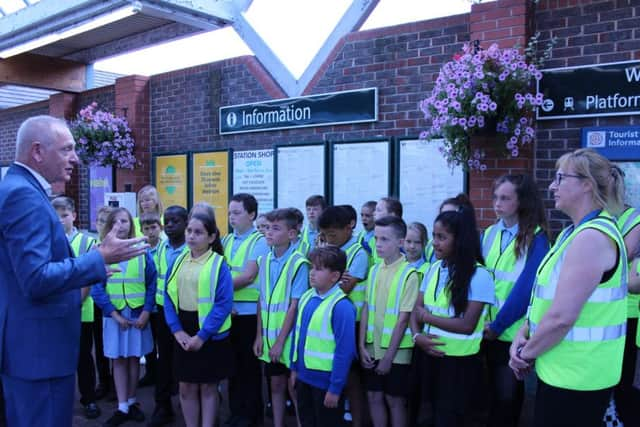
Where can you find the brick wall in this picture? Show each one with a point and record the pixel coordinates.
(588, 32)
(10, 121)
(402, 61)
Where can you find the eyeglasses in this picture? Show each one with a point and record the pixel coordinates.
(560, 176)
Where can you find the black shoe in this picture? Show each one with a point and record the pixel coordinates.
(91, 411)
(101, 391)
(161, 416)
(135, 413)
(146, 381)
(116, 419)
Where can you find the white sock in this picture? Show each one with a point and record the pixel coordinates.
(132, 401)
(123, 407)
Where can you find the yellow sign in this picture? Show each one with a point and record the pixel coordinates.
(171, 179)
(211, 184)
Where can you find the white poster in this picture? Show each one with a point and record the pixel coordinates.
(3, 172)
(300, 174)
(253, 174)
(360, 173)
(631, 183)
(426, 180)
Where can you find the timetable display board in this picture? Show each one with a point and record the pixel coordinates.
(253, 174)
(425, 180)
(210, 178)
(360, 172)
(300, 173)
(171, 179)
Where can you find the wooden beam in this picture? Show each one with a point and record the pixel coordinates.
(43, 72)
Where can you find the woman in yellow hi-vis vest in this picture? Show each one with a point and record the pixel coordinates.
(197, 307)
(448, 319)
(575, 329)
(126, 300)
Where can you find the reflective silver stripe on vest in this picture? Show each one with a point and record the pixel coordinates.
(128, 296)
(138, 279)
(507, 276)
(625, 227)
(449, 311)
(212, 284)
(487, 242)
(319, 355)
(430, 329)
(596, 333)
(598, 295)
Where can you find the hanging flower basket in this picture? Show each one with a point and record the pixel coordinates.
(488, 91)
(103, 139)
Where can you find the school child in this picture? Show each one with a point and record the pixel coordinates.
(314, 206)
(513, 249)
(299, 245)
(448, 319)
(335, 224)
(284, 277)
(126, 299)
(384, 338)
(197, 308)
(365, 237)
(242, 248)
(175, 220)
(414, 245)
(105, 380)
(80, 244)
(386, 206)
(323, 342)
(147, 201)
(261, 223)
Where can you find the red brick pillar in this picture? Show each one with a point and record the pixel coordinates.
(132, 101)
(63, 106)
(507, 23)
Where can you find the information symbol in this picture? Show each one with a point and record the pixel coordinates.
(232, 119)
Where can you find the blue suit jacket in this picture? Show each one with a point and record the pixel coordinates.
(40, 283)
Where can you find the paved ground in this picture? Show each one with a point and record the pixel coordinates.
(145, 396)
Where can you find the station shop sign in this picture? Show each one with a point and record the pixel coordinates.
(354, 106)
(590, 91)
(614, 142)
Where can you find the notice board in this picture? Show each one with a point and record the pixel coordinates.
(210, 178)
(253, 174)
(360, 172)
(300, 173)
(425, 180)
(171, 179)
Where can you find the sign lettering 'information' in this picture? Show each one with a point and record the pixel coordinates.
(355, 106)
(590, 91)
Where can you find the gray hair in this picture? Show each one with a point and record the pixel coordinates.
(43, 129)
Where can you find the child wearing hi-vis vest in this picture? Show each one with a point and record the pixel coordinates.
(335, 224)
(384, 339)
(80, 244)
(448, 320)
(126, 300)
(323, 342)
(242, 248)
(197, 307)
(284, 276)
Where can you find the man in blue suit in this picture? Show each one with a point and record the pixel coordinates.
(40, 280)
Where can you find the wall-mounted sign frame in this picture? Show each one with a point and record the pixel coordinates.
(353, 106)
(171, 178)
(613, 142)
(253, 173)
(425, 179)
(300, 171)
(211, 183)
(360, 171)
(102, 179)
(596, 90)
